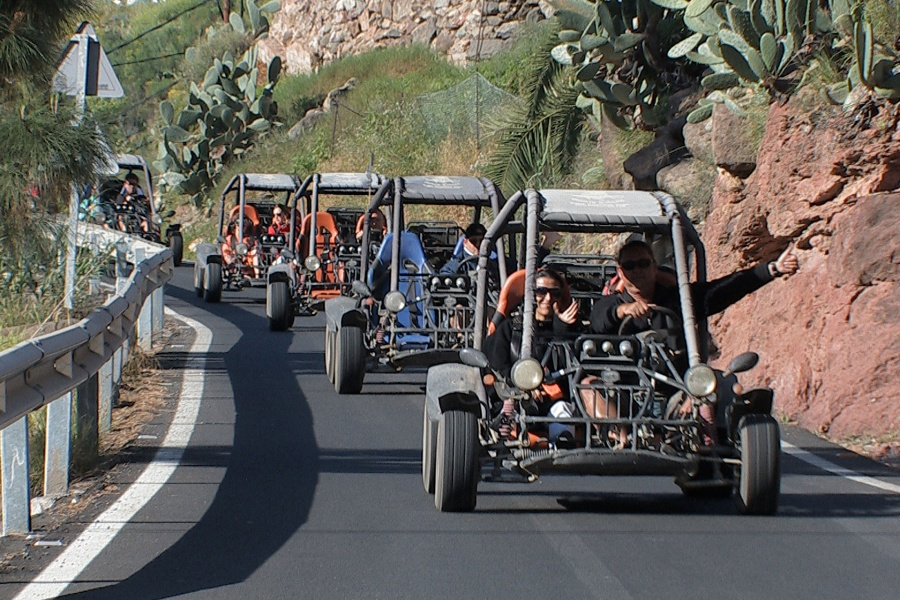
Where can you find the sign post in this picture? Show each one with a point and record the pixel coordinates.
(84, 70)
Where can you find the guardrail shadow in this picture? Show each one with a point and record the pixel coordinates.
(271, 473)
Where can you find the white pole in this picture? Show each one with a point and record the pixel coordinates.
(80, 102)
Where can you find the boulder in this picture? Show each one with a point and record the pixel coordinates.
(698, 139)
(691, 181)
(733, 148)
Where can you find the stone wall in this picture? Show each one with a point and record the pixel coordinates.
(310, 33)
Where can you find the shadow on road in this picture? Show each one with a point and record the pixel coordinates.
(272, 471)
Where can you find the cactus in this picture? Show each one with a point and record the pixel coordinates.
(223, 117)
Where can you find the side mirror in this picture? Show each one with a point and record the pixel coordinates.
(473, 358)
(742, 362)
(360, 288)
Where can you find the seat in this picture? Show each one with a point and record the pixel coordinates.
(413, 267)
(327, 237)
(249, 213)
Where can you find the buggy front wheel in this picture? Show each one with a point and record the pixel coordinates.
(278, 306)
(212, 282)
(349, 360)
(456, 471)
(758, 483)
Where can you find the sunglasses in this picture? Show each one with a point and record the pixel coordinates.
(631, 265)
(541, 292)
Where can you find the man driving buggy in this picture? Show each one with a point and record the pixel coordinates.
(644, 296)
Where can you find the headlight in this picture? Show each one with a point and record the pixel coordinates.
(448, 281)
(157, 219)
(435, 283)
(589, 347)
(527, 374)
(241, 249)
(461, 283)
(700, 380)
(351, 249)
(395, 301)
(625, 348)
(312, 263)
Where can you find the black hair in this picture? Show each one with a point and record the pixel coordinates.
(475, 229)
(634, 245)
(552, 274)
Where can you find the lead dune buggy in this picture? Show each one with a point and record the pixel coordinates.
(245, 250)
(657, 380)
(407, 313)
(141, 217)
(328, 254)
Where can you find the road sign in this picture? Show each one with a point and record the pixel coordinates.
(97, 77)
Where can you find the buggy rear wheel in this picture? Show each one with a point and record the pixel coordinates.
(176, 243)
(329, 354)
(212, 282)
(278, 306)
(349, 360)
(758, 483)
(198, 280)
(456, 471)
(429, 451)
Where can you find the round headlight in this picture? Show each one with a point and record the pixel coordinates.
(312, 263)
(351, 249)
(700, 380)
(448, 281)
(527, 374)
(589, 347)
(607, 347)
(241, 249)
(395, 301)
(625, 348)
(461, 283)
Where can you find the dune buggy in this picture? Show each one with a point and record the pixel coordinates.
(328, 253)
(407, 313)
(245, 250)
(138, 216)
(656, 383)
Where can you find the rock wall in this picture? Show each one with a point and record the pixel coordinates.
(828, 337)
(310, 33)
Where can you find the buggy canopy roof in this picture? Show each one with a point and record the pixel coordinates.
(606, 210)
(272, 182)
(450, 191)
(343, 183)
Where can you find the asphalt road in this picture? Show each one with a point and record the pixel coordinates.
(287, 490)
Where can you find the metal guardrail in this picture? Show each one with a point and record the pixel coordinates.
(81, 363)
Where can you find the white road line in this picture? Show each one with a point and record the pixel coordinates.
(821, 463)
(63, 571)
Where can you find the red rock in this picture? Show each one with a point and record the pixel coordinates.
(828, 337)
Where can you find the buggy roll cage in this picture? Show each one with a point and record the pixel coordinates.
(255, 182)
(598, 212)
(368, 184)
(434, 190)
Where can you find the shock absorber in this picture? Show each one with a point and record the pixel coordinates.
(507, 418)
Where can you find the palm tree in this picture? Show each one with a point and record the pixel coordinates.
(537, 142)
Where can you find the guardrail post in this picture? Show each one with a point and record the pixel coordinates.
(159, 302)
(87, 439)
(57, 448)
(145, 318)
(121, 265)
(106, 383)
(14, 456)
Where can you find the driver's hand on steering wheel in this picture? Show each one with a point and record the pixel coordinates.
(569, 315)
(637, 309)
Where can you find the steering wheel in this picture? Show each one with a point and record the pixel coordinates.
(466, 260)
(676, 318)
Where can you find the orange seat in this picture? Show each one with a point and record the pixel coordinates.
(249, 213)
(327, 235)
(511, 295)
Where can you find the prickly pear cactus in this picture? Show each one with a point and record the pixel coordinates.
(224, 115)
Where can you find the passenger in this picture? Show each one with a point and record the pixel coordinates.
(503, 347)
(132, 192)
(643, 291)
(250, 263)
(280, 223)
(377, 224)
